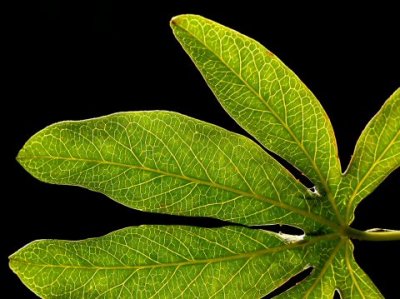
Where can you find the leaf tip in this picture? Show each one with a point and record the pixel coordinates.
(175, 21)
(178, 20)
(12, 262)
(21, 157)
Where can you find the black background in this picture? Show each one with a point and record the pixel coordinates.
(76, 60)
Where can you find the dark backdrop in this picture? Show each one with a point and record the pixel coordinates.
(69, 60)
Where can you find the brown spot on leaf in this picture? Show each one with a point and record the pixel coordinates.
(270, 54)
(174, 21)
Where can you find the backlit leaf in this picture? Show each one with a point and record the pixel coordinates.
(161, 262)
(376, 155)
(264, 96)
(170, 261)
(190, 262)
(169, 163)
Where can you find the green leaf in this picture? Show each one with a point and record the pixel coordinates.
(189, 262)
(264, 96)
(376, 155)
(169, 163)
(160, 262)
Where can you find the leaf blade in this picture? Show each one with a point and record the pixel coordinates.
(179, 261)
(174, 261)
(169, 163)
(246, 78)
(376, 155)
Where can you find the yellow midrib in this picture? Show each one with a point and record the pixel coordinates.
(237, 256)
(324, 268)
(347, 259)
(361, 182)
(257, 196)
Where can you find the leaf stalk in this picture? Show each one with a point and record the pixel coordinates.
(373, 234)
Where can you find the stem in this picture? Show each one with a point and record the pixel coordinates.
(373, 235)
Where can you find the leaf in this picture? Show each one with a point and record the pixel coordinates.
(187, 262)
(160, 262)
(376, 155)
(169, 163)
(264, 96)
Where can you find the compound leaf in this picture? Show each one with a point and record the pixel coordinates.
(169, 163)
